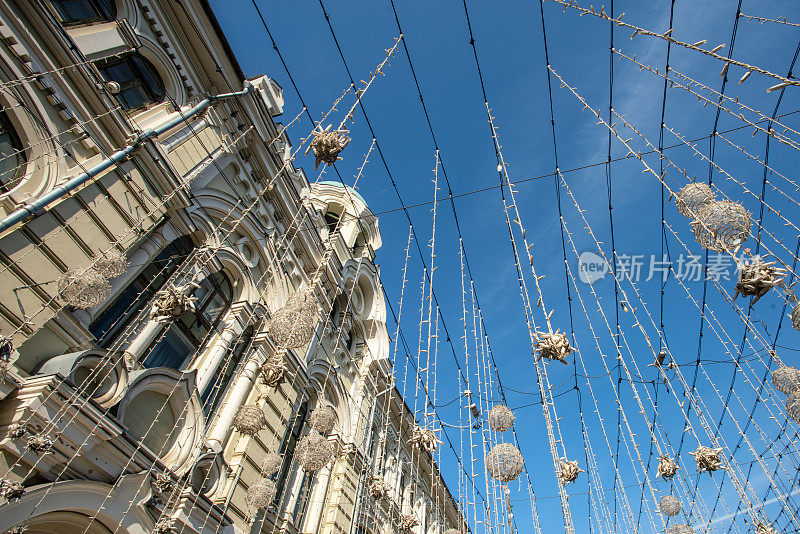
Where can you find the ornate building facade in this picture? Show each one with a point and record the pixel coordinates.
(153, 226)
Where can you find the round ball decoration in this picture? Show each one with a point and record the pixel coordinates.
(786, 380)
(314, 451)
(293, 325)
(249, 420)
(667, 467)
(692, 196)
(669, 505)
(323, 419)
(504, 462)
(501, 418)
(796, 317)
(261, 494)
(327, 144)
(680, 529)
(451, 531)
(793, 407)
(722, 225)
(271, 464)
(83, 288)
(111, 263)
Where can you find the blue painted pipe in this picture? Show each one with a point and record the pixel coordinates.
(38, 205)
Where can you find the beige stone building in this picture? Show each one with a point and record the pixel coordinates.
(153, 223)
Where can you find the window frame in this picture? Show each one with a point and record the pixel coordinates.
(138, 65)
(20, 154)
(95, 5)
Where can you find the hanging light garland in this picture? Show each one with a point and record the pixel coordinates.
(757, 277)
(323, 419)
(327, 144)
(172, 302)
(669, 505)
(568, 470)
(261, 494)
(249, 420)
(552, 346)
(111, 263)
(692, 196)
(667, 467)
(707, 459)
(721, 225)
(83, 288)
(292, 326)
(501, 418)
(504, 462)
(314, 451)
(786, 380)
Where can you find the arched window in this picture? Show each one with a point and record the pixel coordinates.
(332, 221)
(188, 333)
(215, 392)
(12, 155)
(140, 291)
(139, 81)
(85, 11)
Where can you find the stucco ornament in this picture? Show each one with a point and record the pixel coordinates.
(793, 407)
(691, 196)
(765, 528)
(757, 277)
(568, 470)
(172, 302)
(680, 529)
(271, 464)
(165, 525)
(667, 467)
(6, 349)
(261, 493)
(501, 418)
(406, 522)
(83, 288)
(16, 430)
(425, 438)
(327, 144)
(111, 263)
(273, 370)
(786, 380)
(314, 451)
(293, 325)
(504, 462)
(552, 346)
(378, 488)
(669, 505)
(249, 420)
(11, 490)
(722, 225)
(707, 459)
(322, 419)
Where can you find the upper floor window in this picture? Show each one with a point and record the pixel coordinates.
(139, 81)
(332, 221)
(83, 11)
(12, 155)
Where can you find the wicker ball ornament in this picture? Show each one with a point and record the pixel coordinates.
(271, 464)
(692, 196)
(314, 451)
(501, 418)
(786, 380)
(667, 467)
(323, 419)
(327, 144)
(172, 302)
(111, 263)
(669, 505)
(293, 325)
(552, 346)
(261, 493)
(765, 528)
(680, 529)
(83, 288)
(796, 317)
(721, 225)
(793, 407)
(451, 531)
(504, 462)
(707, 458)
(249, 420)
(568, 470)
(757, 277)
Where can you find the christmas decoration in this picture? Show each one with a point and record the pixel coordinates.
(501, 418)
(273, 370)
(786, 380)
(327, 144)
(707, 458)
(667, 467)
(322, 419)
(424, 438)
(552, 346)
(271, 464)
(793, 407)
(504, 462)
(691, 196)
(680, 529)
(378, 488)
(314, 451)
(249, 420)
(261, 494)
(407, 522)
(722, 225)
(293, 325)
(757, 277)
(569, 470)
(669, 505)
(172, 302)
(40, 444)
(111, 263)
(83, 288)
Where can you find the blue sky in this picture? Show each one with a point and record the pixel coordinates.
(509, 43)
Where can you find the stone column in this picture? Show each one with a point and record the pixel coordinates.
(143, 339)
(239, 392)
(317, 500)
(207, 367)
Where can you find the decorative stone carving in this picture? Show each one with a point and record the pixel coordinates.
(501, 418)
(261, 494)
(669, 505)
(667, 467)
(249, 420)
(722, 225)
(707, 459)
(406, 522)
(323, 419)
(757, 277)
(172, 302)
(692, 196)
(552, 346)
(786, 380)
(314, 451)
(11, 491)
(568, 470)
(378, 488)
(327, 144)
(83, 288)
(292, 326)
(111, 263)
(40, 444)
(504, 462)
(424, 438)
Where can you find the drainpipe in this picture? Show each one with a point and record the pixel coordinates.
(37, 206)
